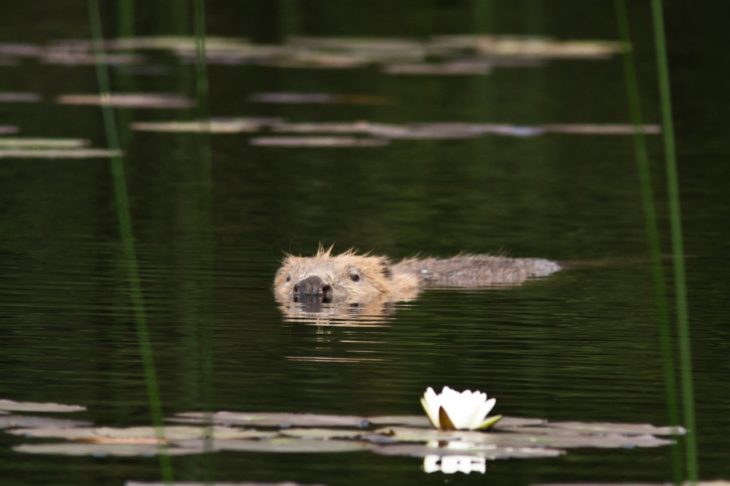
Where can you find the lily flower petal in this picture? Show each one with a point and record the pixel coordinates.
(449, 410)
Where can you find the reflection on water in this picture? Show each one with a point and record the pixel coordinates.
(453, 464)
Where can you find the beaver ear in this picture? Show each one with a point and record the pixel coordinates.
(387, 271)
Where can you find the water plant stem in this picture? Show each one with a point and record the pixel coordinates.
(652, 231)
(680, 288)
(127, 237)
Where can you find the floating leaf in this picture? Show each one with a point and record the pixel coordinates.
(58, 154)
(324, 434)
(102, 450)
(141, 435)
(317, 98)
(8, 421)
(77, 58)
(128, 100)
(617, 428)
(13, 406)
(544, 436)
(274, 419)
(218, 125)
(531, 47)
(317, 142)
(427, 131)
(476, 450)
(451, 68)
(599, 129)
(9, 97)
(409, 420)
(287, 444)
(34, 143)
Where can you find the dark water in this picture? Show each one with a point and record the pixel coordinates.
(582, 345)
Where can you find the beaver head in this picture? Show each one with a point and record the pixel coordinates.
(326, 278)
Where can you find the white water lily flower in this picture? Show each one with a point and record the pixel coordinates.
(451, 410)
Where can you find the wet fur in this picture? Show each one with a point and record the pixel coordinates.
(378, 279)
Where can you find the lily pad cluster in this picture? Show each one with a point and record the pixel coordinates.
(438, 55)
(276, 132)
(202, 432)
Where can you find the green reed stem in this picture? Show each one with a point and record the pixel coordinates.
(125, 23)
(205, 205)
(652, 231)
(125, 227)
(675, 218)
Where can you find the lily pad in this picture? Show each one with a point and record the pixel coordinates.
(409, 420)
(292, 445)
(316, 142)
(537, 436)
(450, 68)
(34, 143)
(141, 435)
(617, 428)
(128, 100)
(10, 97)
(102, 450)
(82, 153)
(75, 58)
(599, 129)
(476, 450)
(530, 47)
(425, 131)
(13, 406)
(19, 49)
(317, 98)
(8, 421)
(278, 420)
(323, 434)
(219, 125)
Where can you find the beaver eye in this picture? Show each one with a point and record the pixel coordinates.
(288, 278)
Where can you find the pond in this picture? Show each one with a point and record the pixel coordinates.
(397, 128)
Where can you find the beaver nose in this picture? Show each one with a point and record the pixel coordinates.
(313, 286)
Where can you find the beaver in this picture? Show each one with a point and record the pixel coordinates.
(359, 279)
